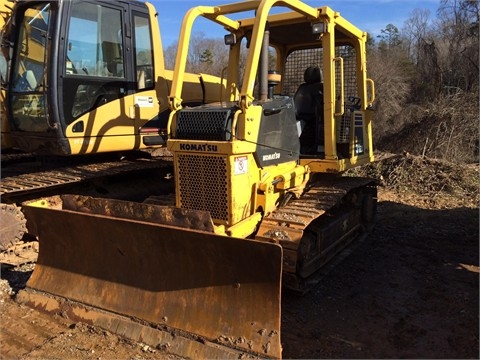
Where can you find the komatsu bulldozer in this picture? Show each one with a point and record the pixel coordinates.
(260, 201)
(71, 91)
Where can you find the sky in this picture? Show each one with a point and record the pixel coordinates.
(367, 15)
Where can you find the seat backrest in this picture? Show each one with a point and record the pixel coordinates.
(309, 93)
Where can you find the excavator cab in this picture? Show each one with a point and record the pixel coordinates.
(71, 91)
(5, 11)
(63, 81)
(259, 205)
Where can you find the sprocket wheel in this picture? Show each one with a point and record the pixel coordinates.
(12, 225)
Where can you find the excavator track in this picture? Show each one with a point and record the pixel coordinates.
(332, 213)
(15, 250)
(12, 158)
(17, 186)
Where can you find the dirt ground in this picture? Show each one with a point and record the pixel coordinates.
(409, 290)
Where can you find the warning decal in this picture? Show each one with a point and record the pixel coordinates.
(241, 165)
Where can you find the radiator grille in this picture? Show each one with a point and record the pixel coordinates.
(204, 124)
(203, 184)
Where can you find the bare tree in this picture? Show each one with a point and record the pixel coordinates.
(205, 55)
(416, 30)
(459, 27)
(427, 80)
(169, 55)
(392, 86)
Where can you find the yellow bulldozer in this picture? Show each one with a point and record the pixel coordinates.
(260, 201)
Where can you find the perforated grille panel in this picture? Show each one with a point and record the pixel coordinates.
(349, 69)
(203, 184)
(343, 128)
(295, 66)
(298, 61)
(203, 124)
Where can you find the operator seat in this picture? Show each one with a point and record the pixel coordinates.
(308, 102)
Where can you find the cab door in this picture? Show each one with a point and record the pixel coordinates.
(150, 104)
(99, 78)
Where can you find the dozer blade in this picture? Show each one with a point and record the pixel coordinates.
(188, 292)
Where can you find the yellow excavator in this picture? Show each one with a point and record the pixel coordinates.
(260, 201)
(5, 11)
(71, 91)
(67, 92)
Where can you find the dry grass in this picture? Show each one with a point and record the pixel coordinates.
(446, 128)
(435, 183)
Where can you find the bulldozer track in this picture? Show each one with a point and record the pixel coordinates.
(328, 202)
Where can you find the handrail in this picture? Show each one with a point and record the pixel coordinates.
(340, 106)
(372, 92)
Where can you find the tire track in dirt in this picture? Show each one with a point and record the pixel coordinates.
(24, 329)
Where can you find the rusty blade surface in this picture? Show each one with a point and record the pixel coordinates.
(167, 215)
(199, 285)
